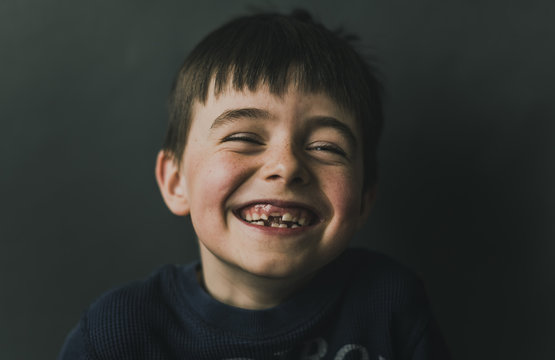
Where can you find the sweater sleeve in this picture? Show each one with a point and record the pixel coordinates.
(74, 346)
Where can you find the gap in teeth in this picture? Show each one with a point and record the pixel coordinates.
(291, 219)
(285, 221)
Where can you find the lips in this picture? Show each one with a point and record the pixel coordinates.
(277, 215)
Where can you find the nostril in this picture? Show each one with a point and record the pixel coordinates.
(298, 180)
(281, 169)
(294, 180)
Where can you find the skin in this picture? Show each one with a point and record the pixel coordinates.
(283, 150)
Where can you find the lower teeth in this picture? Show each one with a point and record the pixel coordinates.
(274, 224)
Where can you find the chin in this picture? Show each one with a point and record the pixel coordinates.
(281, 267)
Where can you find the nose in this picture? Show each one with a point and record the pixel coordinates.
(285, 164)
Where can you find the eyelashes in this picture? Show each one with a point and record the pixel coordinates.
(252, 141)
(328, 147)
(243, 137)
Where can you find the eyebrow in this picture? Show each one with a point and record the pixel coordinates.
(232, 115)
(331, 122)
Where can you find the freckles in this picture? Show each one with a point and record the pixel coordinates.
(220, 176)
(344, 193)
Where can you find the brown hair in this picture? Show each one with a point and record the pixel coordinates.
(277, 50)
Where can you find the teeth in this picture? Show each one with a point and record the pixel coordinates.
(277, 219)
(276, 225)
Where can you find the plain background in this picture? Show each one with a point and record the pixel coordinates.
(467, 159)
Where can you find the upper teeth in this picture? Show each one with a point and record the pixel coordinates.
(275, 219)
(287, 217)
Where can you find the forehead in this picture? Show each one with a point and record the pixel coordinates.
(292, 103)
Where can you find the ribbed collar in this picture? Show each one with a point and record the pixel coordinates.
(299, 311)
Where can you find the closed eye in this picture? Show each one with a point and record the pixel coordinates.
(245, 137)
(327, 147)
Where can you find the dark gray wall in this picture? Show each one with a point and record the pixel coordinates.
(466, 196)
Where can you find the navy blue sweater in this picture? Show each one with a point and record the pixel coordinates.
(361, 306)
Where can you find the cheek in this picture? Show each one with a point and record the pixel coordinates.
(345, 192)
(347, 202)
(215, 178)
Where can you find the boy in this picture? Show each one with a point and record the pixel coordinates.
(271, 149)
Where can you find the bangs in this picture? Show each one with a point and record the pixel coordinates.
(276, 51)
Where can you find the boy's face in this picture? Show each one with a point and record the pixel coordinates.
(273, 184)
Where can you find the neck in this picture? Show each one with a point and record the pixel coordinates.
(236, 287)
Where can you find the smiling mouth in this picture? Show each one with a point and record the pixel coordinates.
(268, 215)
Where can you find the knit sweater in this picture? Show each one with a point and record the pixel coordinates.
(361, 306)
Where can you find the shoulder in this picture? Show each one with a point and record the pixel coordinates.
(377, 267)
(388, 293)
(385, 290)
(383, 282)
(124, 319)
(134, 295)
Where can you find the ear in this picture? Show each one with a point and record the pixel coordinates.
(172, 184)
(366, 203)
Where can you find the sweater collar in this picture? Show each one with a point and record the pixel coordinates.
(298, 313)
